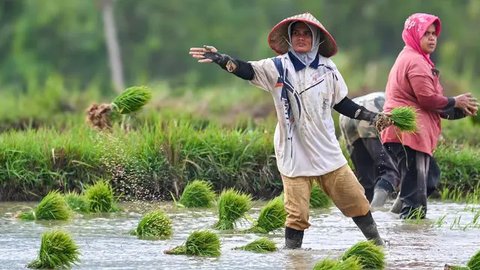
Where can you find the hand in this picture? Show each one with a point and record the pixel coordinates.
(467, 103)
(199, 53)
(382, 121)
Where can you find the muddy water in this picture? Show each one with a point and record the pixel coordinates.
(451, 234)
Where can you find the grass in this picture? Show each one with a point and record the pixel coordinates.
(57, 250)
(198, 193)
(232, 205)
(318, 198)
(272, 216)
(100, 197)
(261, 245)
(154, 225)
(199, 243)
(369, 255)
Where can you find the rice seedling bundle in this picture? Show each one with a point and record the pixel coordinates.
(325, 264)
(132, 99)
(405, 118)
(199, 243)
(271, 217)
(154, 225)
(232, 205)
(57, 250)
(351, 263)
(77, 202)
(369, 255)
(474, 262)
(197, 193)
(51, 207)
(455, 267)
(261, 245)
(318, 198)
(100, 197)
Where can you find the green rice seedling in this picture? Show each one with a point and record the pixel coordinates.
(77, 202)
(474, 262)
(51, 207)
(100, 197)
(325, 264)
(57, 250)
(154, 225)
(369, 255)
(261, 245)
(351, 263)
(405, 118)
(199, 243)
(198, 193)
(132, 99)
(455, 267)
(232, 205)
(271, 217)
(318, 198)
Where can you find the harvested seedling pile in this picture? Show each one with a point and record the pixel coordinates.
(154, 225)
(101, 116)
(199, 243)
(57, 250)
(197, 193)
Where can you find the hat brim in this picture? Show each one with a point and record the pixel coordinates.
(278, 36)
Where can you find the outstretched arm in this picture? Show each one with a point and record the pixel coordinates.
(209, 54)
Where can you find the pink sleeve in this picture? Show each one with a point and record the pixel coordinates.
(422, 83)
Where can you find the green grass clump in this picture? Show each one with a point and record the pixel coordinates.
(199, 243)
(261, 245)
(405, 118)
(154, 225)
(369, 255)
(197, 193)
(351, 263)
(271, 217)
(232, 205)
(100, 197)
(57, 250)
(77, 202)
(51, 207)
(132, 99)
(474, 262)
(318, 198)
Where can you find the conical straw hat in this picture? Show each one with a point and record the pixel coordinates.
(278, 37)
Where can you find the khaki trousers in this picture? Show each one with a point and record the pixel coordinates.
(340, 185)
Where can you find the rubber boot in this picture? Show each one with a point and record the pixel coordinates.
(397, 206)
(369, 229)
(293, 238)
(379, 198)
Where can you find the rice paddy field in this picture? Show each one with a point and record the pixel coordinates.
(450, 234)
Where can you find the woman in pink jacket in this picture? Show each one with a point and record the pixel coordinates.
(414, 81)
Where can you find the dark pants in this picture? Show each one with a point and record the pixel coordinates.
(416, 183)
(373, 166)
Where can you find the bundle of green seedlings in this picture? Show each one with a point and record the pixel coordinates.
(271, 217)
(154, 225)
(100, 197)
(369, 255)
(198, 193)
(232, 205)
(57, 250)
(77, 202)
(351, 263)
(102, 116)
(199, 243)
(51, 207)
(405, 118)
(261, 245)
(472, 264)
(318, 198)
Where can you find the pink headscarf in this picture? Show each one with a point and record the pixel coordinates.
(415, 27)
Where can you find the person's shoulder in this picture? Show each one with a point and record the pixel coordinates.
(327, 62)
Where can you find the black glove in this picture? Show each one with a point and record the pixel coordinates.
(223, 60)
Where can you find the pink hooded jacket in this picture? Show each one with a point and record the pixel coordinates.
(413, 82)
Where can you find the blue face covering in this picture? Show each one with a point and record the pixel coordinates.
(308, 57)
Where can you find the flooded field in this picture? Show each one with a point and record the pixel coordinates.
(451, 234)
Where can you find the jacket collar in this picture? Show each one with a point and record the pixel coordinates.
(298, 65)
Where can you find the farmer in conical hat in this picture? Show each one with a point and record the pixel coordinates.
(306, 86)
(414, 81)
